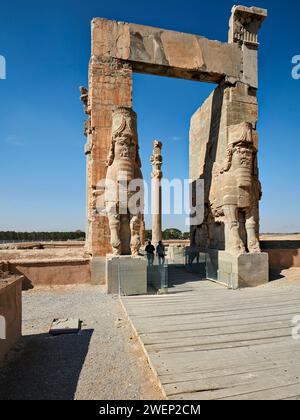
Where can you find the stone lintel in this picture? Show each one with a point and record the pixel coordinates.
(164, 52)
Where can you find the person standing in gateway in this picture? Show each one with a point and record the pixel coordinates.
(161, 253)
(150, 253)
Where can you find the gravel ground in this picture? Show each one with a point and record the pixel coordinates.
(104, 361)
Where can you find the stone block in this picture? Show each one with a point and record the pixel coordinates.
(248, 270)
(126, 275)
(65, 326)
(98, 270)
(250, 63)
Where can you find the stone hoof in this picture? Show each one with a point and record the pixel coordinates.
(239, 250)
(135, 247)
(135, 251)
(135, 255)
(116, 252)
(254, 249)
(116, 246)
(116, 243)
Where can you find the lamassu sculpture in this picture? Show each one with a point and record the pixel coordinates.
(241, 191)
(124, 184)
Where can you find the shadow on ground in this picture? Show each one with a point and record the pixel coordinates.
(186, 274)
(276, 274)
(46, 367)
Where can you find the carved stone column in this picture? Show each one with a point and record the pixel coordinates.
(156, 162)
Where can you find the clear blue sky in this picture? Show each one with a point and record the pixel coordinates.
(47, 48)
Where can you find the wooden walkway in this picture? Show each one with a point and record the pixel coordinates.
(206, 342)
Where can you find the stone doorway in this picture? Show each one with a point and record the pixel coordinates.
(223, 141)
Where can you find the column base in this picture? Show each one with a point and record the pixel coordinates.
(249, 270)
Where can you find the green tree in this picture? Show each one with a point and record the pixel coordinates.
(172, 234)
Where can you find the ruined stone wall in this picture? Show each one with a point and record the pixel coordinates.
(11, 311)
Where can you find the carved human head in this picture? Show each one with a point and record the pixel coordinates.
(124, 136)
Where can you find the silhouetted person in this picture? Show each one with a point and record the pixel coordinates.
(161, 253)
(150, 253)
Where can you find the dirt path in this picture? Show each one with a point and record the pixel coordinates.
(103, 362)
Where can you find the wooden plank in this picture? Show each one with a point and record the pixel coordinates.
(221, 341)
(206, 342)
(180, 362)
(235, 385)
(203, 318)
(230, 329)
(261, 391)
(199, 309)
(192, 326)
(278, 393)
(227, 371)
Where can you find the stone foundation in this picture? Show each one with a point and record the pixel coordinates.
(249, 270)
(126, 275)
(98, 271)
(10, 314)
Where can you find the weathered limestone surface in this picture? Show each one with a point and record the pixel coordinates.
(163, 52)
(110, 85)
(244, 26)
(11, 311)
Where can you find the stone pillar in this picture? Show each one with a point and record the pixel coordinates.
(156, 162)
(110, 85)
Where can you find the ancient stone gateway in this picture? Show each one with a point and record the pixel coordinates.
(223, 137)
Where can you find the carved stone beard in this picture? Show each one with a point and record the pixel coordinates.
(245, 155)
(242, 164)
(125, 157)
